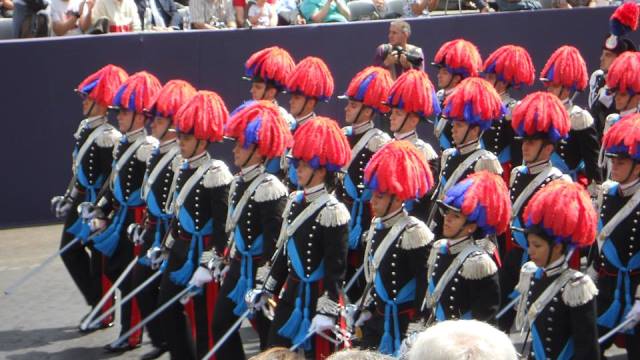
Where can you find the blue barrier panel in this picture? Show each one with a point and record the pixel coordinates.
(40, 111)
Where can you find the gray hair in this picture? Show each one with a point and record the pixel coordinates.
(403, 25)
(462, 340)
(354, 354)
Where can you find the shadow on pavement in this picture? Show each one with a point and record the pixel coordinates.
(72, 353)
(22, 339)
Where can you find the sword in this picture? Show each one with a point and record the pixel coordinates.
(353, 279)
(508, 307)
(126, 299)
(615, 330)
(47, 261)
(108, 295)
(226, 335)
(153, 315)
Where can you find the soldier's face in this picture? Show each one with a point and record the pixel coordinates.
(445, 78)
(126, 119)
(455, 225)
(298, 106)
(624, 170)
(462, 133)
(606, 58)
(260, 91)
(383, 204)
(159, 127)
(241, 155)
(401, 121)
(308, 176)
(538, 249)
(352, 112)
(626, 101)
(531, 151)
(188, 144)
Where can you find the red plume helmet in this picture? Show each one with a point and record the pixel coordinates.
(541, 115)
(624, 19)
(483, 198)
(311, 78)
(204, 116)
(371, 87)
(460, 57)
(399, 169)
(102, 85)
(623, 138)
(474, 101)
(563, 211)
(413, 92)
(512, 64)
(566, 68)
(273, 64)
(624, 73)
(321, 143)
(137, 92)
(260, 123)
(171, 97)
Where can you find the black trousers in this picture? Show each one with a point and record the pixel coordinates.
(606, 290)
(373, 330)
(224, 317)
(509, 275)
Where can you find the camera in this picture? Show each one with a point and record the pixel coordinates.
(415, 61)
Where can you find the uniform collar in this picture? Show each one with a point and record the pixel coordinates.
(629, 189)
(94, 121)
(556, 267)
(249, 173)
(538, 167)
(409, 136)
(469, 147)
(134, 135)
(314, 193)
(455, 246)
(167, 145)
(506, 97)
(198, 160)
(628, 112)
(362, 128)
(302, 120)
(389, 220)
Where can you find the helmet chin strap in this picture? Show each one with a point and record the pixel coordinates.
(304, 105)
(626, 179)
(459, 232)
(166, 130)
(391, 200)
(133, 117)
(404, 121)
(93, 103)
(539, 152)
(253, 151)
(313, 174)
(195, 148)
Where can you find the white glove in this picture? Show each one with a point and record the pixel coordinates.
(594, 189)
(218, 268)
(257, 298)
(88, 211)
(320, 323)
(61, 205)
(365, 315)
(634, 314)
(156, 256)
(201, 277)
(262, 273)
(97, 224)
(136, 233)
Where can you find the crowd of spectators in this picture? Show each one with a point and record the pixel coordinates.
(33, 18)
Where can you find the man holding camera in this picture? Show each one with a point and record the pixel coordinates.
(398, 55)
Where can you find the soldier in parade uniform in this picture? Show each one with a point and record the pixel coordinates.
(164, 161)
(623, 84)
(564, 74)
(396, 247)
(366, 95)
(540, 120)
(197, 239)
(472, 107)
(601, 102)
(618, 261)
(92, 157)
(463, 274)
(256, 202)
(412, 98)
(558, 304)
(456, 60)
(312, 247)
(509, 67)
(122, 205)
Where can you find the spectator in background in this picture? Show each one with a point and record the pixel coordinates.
(517, 5)
(398, 55)
(24, 14)
(288, 13)
(116, 15)
(324, 11)
(70, 17)
(6, 8)
(462, 340)
(262, 14)
(416, 8)
(211, 14)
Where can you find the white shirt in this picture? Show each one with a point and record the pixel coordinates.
(121, 13)
(265, 19)
(59, 9)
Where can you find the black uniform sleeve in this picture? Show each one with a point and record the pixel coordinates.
(589, 150)
(585, 332)
(279, 272)
(418, 259)
(335, 259)
(271, 215)
(486, 301)
(219, 204)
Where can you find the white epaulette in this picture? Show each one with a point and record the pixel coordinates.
(427, 150)
(109, 137)
(527, 272)
(217, 175)
(445, 156)
(579, 290)
(270, 189)
(580, 118)
(143, 153)
(378, 140)
(610, 120)
(478, 265)
(489, 163)
(415, 235)
(333, 214)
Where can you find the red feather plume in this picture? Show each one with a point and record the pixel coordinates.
(171, 97)
(567, 68)
(107, 82)
(474, 101)
(489, 191)
(371, 87)
(312, 78)
(400, 169)
(323, 139)
(273, 135)
(565, 209)
(624, 135)
(512, 64)
(273, 63)
(627, 15)
(541, 112)
(205, 116)
(460, 57)
(142, 87)
(413, 92)
(624, 73)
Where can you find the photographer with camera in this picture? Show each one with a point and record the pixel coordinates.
(71, 17)
(398, 55)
